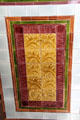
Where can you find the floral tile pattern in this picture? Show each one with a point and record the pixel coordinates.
(41, 78)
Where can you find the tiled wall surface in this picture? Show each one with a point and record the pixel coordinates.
(47, 10)
(37, 2)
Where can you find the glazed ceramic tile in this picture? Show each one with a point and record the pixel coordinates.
(36, 2)
(31, 2)
(39, 53)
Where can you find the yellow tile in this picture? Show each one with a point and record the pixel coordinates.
(48, 56)
(48, 41)
(33, 69)
(34, 81)
(34, 88)
(35, 94)
(48, 95)
(32, 56)
(48, 71)
(31, 41)
(40, 57)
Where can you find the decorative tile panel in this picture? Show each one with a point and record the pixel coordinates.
(41, 86)
(41, 61)
(36, 2)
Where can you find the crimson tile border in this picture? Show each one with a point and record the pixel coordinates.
(54, 29)
(35, 3)
(40, 3)
(20, 57)
(26, 21)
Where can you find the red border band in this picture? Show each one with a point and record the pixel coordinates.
(60, 31)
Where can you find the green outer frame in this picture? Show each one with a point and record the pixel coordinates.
(67, 22)
(33, 1)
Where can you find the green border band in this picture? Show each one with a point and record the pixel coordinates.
(67, 22)
(33, 1)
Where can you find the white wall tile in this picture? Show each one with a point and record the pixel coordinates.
(3, 41)
(2, 25)
(7, 81)
(77, 9)
(5, 68)
(76, 23)
(75, 107)
(48, 10)
(63, 116)
(4, 56)
(32, 10)
(75, 82)
(75, 69)
(76, 43)
(67, 9)
(28, 115)
(75, 95)
(57, 116)
(9, 106)
(17, 10)
(8, 94)
(28, 11)
(3, 11)
(76, 56)
(50, 116)
(75, 117)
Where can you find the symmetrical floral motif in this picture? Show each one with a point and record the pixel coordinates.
(40, 52)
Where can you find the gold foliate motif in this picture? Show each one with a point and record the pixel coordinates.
(40, 57)
(48, 41)
(33, 70)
